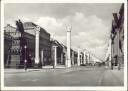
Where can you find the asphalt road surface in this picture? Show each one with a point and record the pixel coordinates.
(76, 76)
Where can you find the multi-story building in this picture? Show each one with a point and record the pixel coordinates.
(44, 42)
(117, 36)
(10, 46)
(61, 53)
(18, 51)
(20, 46)
(7, 49)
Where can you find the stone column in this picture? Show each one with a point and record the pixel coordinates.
(42, 57)
(88, 58)
(68, 47)
(84, 57)
(37, 31)
(55, 56)
(78, 58)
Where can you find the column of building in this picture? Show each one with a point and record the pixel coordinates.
(88, 58)
(78, 57)
(68, 60)
(37, 31)
(84, 57)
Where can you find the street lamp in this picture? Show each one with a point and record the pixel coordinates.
(25, 47)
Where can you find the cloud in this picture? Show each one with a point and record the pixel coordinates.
(90, 26)
(88, 32)
(13, 19)
(52, 25)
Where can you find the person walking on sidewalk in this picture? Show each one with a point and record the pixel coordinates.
(25, 65)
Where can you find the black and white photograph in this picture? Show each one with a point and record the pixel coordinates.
(68, 44)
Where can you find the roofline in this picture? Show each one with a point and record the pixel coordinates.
(9, 25)
(37, 25)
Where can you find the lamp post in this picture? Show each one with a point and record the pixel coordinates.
(25, 47)
(25, 61)
(78, 58)
(85, 56)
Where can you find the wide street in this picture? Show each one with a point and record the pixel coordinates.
(75, 76)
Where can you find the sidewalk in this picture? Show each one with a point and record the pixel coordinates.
(119, 74)
(112, 78)
(19, 70)
(57, 66)
(47, 69)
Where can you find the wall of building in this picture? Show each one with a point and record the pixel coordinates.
(118, 38)
(28, 39)
(7, 49)
(18, 53)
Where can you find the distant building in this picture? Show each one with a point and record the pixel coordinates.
(108, 54)
(62, 53)
(61, 56)
(74, 55)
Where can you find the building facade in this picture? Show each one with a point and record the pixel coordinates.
(20, 46)
(11, 48)
(44, 43)
(7, 49)
(18, 52)
(117, 38)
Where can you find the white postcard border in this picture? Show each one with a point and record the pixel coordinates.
(63, 88)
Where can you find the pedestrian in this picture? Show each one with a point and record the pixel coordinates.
(25, 65)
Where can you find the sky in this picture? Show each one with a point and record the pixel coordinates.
(91, 22)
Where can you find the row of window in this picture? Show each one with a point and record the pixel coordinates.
(15, 51)
(14, 34)
(15, 42)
